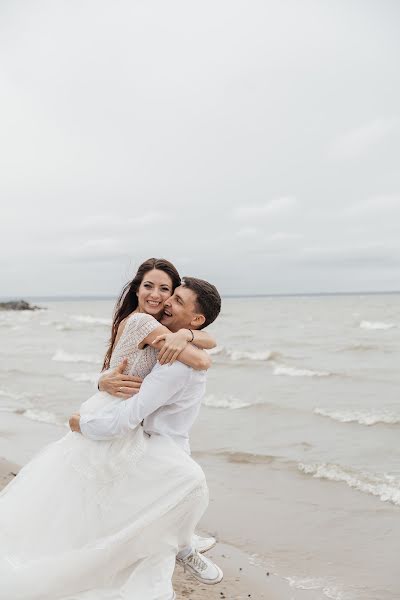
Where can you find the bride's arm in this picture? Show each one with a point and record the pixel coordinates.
(174, 343)
(201, 339)
(185, 352)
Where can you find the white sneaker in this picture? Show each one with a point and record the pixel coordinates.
(203, 544)
(201, 568)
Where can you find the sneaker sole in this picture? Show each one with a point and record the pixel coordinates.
(205, 581)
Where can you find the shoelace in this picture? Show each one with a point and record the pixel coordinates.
(197, 562)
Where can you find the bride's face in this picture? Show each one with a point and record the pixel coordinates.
(155, 289)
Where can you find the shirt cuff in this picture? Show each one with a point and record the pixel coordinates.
(87, 430)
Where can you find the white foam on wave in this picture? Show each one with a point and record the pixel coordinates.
(76, 322)
(5, 394)
(62, 356)
(363, 417)
(225, 401)
(15, 320)
(243, 355)
(43, 416)
(59, 325)
(376, 325)
(7, 401)
(83, 377)
(328, 588)
(385, 487)
(89, 320)
(295, 372)
(12, 402)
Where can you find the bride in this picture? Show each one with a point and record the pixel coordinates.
(103, 520)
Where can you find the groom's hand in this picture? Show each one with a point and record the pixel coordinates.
(116, 383)
(74, 423)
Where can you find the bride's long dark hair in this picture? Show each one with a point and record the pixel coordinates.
(128, 301)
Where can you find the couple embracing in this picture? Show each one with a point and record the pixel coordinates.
(105, 512)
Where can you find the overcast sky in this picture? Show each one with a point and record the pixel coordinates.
(254, 143)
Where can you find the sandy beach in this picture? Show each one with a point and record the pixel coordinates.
(20, 438)
(238, 582)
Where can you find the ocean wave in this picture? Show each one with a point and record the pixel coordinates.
(17, 402)
(76, 322)
(62, 356)
(329, 589)
(8, 401)
(360, 348)
(83, 377)
(89, 320)
(22, 404)
(385, 487)
(60, 325)
(376, 325)
(225, 401)
(244, 355)
(15, 324)
(295, 372)
(43, 416)
(6, 394)
(363, 417)
(19, 315)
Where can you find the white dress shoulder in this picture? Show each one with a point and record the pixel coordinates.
(140, 362)
(103, 520)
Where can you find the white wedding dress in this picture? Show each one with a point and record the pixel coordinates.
(101, 520)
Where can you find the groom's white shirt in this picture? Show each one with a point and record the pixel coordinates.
(168, 403)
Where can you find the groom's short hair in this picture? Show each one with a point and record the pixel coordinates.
(208, 300)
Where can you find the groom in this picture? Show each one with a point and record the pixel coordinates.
(169, 399)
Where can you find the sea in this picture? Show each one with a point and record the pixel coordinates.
(298, 433)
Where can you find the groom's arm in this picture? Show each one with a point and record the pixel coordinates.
(115, 382)
(162, 386)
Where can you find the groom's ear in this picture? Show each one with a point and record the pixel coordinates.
(197, 321)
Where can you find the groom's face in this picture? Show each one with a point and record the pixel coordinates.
(180, 309)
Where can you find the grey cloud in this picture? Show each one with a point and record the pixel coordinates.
(359, 141)
(276, 206)
(353, 256)
(230, 140)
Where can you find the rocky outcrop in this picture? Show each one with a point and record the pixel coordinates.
(18, 305)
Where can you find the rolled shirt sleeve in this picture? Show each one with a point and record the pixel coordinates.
(162, 386)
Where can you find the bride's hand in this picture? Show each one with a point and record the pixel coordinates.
(74, 423)
(174, 343)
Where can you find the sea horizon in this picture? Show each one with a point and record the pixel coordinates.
(72, 298)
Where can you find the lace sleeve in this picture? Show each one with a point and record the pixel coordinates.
(137, 328)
